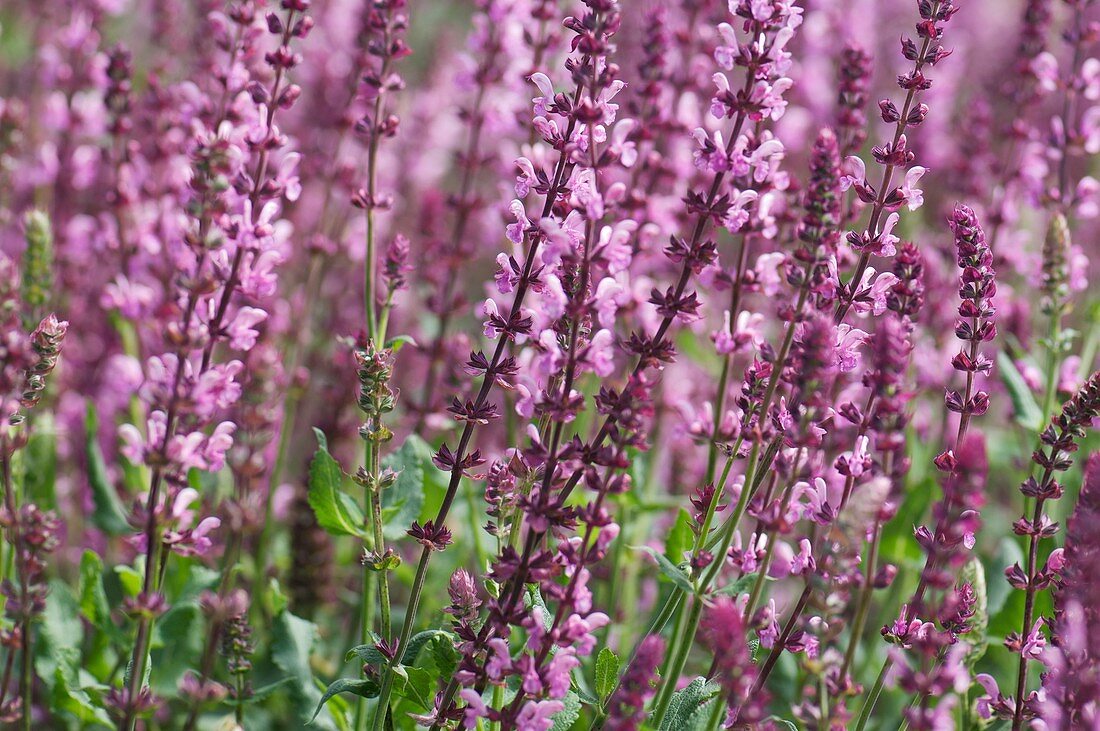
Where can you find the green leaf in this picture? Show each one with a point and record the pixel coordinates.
(414, 685)
(607, 673)
(363, 687)
(1026, 410)
(335, 511)
(738, 587)
(784, 723)
(366, 653)
(686, 703)
(534, 599)
(587, 698)
(680, 538)
(259, 694)
(977, 638)
(566, 717)
(59, 635)
(417, 643)
(402, 501)
(679, 576)
(444, 656)
(93, 598)
(69, 697)
(108, 513)
(291, 646)
(40, 463)
(399, 341)
(130, 579)
(177, 645)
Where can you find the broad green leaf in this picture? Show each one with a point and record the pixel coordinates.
(686, 704)
(335, 512)
(680, 538)
(607, 673)
(177, 645)
(130, 579)
(678, 576)
(366, 653)
(402, 501)
(67, 697)
(414, 685)
(59, 635)
(291, 646)
(199, 578)
(93, 598)
(108, 514)
(40, 462)
(1027, 411)
(417, 643)
(443, 655)
(363, 687)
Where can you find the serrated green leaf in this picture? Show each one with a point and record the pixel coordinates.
(687, 703)
(1026, 410)
(363, 687)
(402, 501)
(587, 698)
(673, 572)
(566, 717)
(336, 513)
(108, 513)
(680, 538)
(607, 673)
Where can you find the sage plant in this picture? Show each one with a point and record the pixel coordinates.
(548, 364)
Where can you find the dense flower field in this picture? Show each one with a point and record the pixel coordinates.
(549, 364)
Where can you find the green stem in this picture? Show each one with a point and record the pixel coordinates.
(671, 605)
(872, 696)
(668, 682)
(715, 719)
(383, 705)
(864, 601)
